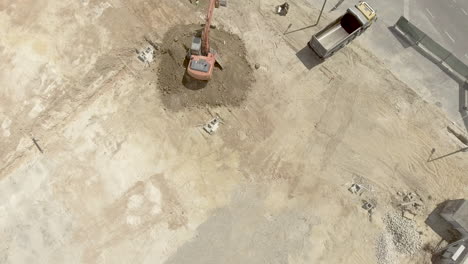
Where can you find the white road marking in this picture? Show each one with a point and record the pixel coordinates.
(450, 37)
(406, 8)
(430, 13)
(466, 55)
(464, 12)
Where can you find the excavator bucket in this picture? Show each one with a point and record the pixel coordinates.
(219, 60)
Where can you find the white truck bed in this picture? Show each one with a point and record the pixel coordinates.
(332, 36)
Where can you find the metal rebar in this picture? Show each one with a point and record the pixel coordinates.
(37, 145)
(321, 11)
(451, 153)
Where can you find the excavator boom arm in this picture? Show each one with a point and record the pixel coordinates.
(206, 30)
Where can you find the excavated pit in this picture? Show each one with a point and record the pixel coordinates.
(228, 87)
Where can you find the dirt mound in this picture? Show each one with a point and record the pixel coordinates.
(227, 87)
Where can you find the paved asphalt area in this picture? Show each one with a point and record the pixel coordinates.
(445, 21)
(450, 19)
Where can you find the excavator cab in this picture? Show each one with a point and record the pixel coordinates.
(195, 48)
(201, 67)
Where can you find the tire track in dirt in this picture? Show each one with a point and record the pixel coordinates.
(347, 101)
(68, 106)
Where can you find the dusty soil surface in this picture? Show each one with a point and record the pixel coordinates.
(229, 85)
(123, 179)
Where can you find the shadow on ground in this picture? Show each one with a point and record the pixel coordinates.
(240, 232)
(451, 153)
(308, 58)
(296, 30)
(439, 225)
(463, 103)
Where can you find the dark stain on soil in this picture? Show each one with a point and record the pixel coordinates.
(228, 87)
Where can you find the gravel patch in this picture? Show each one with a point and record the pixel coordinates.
(405, 236)
(385, 250)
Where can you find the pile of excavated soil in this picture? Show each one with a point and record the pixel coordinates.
(227, 87)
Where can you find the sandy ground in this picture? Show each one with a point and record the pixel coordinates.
(123, 179)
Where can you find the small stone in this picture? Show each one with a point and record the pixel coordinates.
(257, 66)
(176, 39)
(405, 236)
(407, 198)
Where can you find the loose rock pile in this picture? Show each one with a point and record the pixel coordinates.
(404, 234)
(385, 251)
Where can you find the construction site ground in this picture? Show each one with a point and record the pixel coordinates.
(126, 177)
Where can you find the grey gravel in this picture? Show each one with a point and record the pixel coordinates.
(404, 233)
(385, 250)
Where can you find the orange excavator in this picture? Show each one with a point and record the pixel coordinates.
(202, 58)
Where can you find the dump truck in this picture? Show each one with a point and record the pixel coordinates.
(343, 30)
